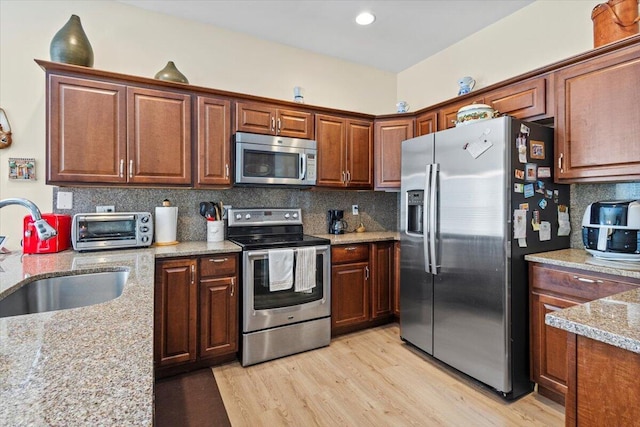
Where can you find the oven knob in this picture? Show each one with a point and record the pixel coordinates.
(286, 215)
(247, 216)
(295, 215)
(238, 216)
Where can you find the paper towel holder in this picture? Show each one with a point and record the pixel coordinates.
(166, 224)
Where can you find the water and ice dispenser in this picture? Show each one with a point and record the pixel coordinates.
(415, 211)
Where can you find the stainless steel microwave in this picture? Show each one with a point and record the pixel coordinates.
(275, 160)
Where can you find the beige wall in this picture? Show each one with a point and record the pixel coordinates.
(540, 34)
(133, 41)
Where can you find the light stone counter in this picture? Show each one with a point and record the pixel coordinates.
(614, 320)
(367, 236)
(85, 366)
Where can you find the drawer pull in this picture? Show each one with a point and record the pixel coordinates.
(193, 274)
(218, 259)
(350, 248)
(585, 280)
(366, 273)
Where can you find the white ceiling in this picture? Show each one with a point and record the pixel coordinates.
(404, 33)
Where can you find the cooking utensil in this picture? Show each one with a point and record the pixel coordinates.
(203, 209)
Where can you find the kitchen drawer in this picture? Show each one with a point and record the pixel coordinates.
(579, 284)
(218, 265)
(349, 253)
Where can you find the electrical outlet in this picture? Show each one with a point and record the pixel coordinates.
(105, 208)
(225, 209)
(65, 200)
(355, 210)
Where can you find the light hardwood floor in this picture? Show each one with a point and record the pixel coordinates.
(369, 378)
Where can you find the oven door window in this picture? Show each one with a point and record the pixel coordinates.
(107, 230)
(270, 164)
(264, 299)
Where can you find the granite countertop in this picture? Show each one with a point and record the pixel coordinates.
(367, 236)
(614, 320)
(85, 366)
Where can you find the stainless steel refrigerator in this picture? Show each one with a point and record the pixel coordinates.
(474, 200)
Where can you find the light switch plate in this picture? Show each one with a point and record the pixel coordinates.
(355, 210)
(65, 200)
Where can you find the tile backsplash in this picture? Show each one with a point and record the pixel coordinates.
(378, 210)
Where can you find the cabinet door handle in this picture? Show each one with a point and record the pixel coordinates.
(279, 125)
(131, 168)
(121, 168)
(344, 176)
(233, 286)
(560, 158)
(218, 259)
(585, 280)
(348, 176)
(226, 170)
(273, 124)
(366, 273)
(193, 274)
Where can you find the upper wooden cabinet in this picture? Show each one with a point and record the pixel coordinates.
(598, 119)
(388, 137)
(448, 115)
(214, 141)
(525, 100)
(270, 120)
(345, 152)
(101, 132)
(427, 123)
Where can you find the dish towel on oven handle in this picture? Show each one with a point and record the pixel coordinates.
(280, 269)
(305, 269)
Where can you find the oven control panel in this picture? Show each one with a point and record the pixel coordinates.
(264, 216)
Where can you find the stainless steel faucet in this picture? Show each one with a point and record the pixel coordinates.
(44, 230)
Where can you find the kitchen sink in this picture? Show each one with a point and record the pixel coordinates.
(63, 292)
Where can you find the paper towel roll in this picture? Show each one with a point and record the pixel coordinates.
(166, 224)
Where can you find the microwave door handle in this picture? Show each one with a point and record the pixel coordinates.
(303, 166)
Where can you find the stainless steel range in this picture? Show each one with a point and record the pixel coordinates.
(286, 283)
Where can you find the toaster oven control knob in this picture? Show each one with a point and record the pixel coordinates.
(144, 229)
(144, 219)
(144, 239)
(238, 216)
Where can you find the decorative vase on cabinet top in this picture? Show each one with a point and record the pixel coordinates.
(171, 73)
(71, 45)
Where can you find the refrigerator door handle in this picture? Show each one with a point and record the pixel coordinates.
(433, 216)
(425, 222)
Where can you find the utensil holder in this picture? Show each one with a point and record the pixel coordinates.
(215, 231)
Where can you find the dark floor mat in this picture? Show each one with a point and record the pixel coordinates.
(189, 400)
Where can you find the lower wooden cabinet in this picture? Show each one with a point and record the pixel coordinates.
(554, 288)
(196, 311)
(363, 285)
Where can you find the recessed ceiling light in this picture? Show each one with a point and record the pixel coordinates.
(365, 18)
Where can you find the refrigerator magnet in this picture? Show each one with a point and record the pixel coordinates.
(524, 129)
(518, 188)
(522, 243)
(548, 194)
(556, 196)
(524, 206)
(564, 225)
(528, 190)
(519, 224)
(544, 172)
(545, 231)
(536, 149)
(535, 220)
(530, 172)
(542, 203)
(540, 187)
(519, 173)
(521, 147)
